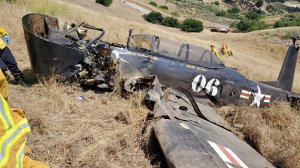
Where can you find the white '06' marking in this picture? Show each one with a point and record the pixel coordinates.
(210, 86)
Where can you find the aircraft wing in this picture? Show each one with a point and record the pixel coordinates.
(188, 140)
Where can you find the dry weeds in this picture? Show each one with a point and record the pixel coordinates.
(274, 131)
(67, 132)
(105, 130)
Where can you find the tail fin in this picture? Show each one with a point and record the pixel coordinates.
(286, 75)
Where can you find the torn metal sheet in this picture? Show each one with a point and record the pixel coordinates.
(189, 141)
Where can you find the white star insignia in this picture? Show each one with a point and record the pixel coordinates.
(257, 97)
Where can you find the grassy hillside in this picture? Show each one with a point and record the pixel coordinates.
(67, 132)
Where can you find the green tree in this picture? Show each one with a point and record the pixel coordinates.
(152, 3)
(248, 25)
(253, 15)
(259, 3)
(217, 3)
(170, 22)
(192, 25)
(154, 17)
(104, 2)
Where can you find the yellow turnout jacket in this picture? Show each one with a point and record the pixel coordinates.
(13, 128)
(2, 43)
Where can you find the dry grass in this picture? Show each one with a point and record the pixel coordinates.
(274, 132)
(102, 131)
(105, 130)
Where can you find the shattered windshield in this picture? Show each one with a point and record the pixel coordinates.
(182, 51)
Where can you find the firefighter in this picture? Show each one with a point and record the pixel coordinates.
(229, 50)
(13, 130)
(225, 50)
(8, 61)
(214, 51)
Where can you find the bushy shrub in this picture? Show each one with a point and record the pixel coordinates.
(232, 13)
(287, 22)
(175, 14)
(164, 7)
(270, 7)
(259, 3)
(192, 25)
(229, 1)
(104, 2)
(253, 15)
(248, 25)
(154, 17)
(152, 3)
(217, 3)
(170, 22)
(221, 13)
(233, 10)
(233, 25)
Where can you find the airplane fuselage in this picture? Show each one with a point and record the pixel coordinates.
(222, 85)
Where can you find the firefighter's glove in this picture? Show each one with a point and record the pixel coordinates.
(7, 39)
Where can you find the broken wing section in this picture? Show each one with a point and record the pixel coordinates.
(188, 140)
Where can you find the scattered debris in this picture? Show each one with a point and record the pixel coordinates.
(81, 98)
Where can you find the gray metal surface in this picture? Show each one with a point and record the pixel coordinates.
(286, 75)
(188, 141)
(56, 47)
(200, 72)
(48, 55)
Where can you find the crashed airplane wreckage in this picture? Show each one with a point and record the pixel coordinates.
(200, 72)
(190, 133)
(56, 48)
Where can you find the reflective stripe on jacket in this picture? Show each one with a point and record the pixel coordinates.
(3, 33)
(13, 129)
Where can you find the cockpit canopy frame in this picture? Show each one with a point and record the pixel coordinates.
(186, 52)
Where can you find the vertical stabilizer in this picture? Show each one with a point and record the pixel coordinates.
(286, 75)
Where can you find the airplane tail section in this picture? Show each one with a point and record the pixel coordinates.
(286, 75)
